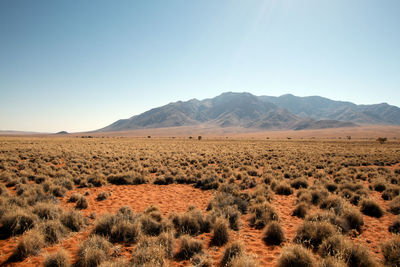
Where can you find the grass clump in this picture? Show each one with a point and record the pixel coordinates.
(261, 215)
(93, 251)
(273, 234)
(188, 248)
(53, 231)
(16, 222)
(312, 234)
(73, 220)
(57, 259)
(300, 210)
(47, 211)
(371, 208)
(295, 256)
(394, 205)
(283, 189)
(30, 244)
(395, 226)
(102, 196)
(220, 233)
(81, 203)
(391, 252)
(232, 251)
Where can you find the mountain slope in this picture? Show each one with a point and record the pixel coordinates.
(321, 108)
(243, 110)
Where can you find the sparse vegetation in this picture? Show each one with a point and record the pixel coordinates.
(52, 190)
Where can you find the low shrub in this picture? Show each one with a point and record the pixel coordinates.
(74, 197)
(300, 210)
(312, 234)
(57, 259)
(102, 196)
(244, 261)
(353, 218)
(295, 256)
(394, 205)
(94, 250)
(395, 226)
(391, 252)
(220, 233)
(16, 222)
(125, 231)
(232, 251)
(299, 183)
(53, 231)
(82, 203)
(47, 211)
(29, 244)
(73, 220)
(149, 253)
(273, 234)
(283, 189)
(261, 215)
(189, 247)
(371, 208)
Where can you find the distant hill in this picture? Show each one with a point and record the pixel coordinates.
(320, 108)
(287, 112)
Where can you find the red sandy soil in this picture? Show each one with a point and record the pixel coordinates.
(169, 198)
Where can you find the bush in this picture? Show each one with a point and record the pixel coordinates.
(189, 247)
(74, 197)
(150, 226)
(261, 215)
(359, 256)
(234, 250)
(299, 183)
(104, 225)
(334, 203)
(295, 256)
(220, 233)
(102, 196)
(53, 231)
(379, 185)
(47, 211)
(335, 246)
(30, 244)
(391, 252)
(353, 218)
(244, 261)
(57, 259)
(125, 231)
(332, 262)
(300, 210)
(273, 234)
(283, 189)
(394, 205)
(395, 226)
(93, 251)
(148, 253)
(371, 208)
(312, 234)
(82, 203)
(16, 222)
(73, 220)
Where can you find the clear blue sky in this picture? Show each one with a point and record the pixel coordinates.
(80, 65)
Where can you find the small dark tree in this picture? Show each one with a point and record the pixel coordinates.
(199, 137)
(381, 140)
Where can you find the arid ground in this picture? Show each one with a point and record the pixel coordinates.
(186, 202)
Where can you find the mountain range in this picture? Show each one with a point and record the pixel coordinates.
(261, 112)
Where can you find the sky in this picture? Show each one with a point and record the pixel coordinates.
(81, 65)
